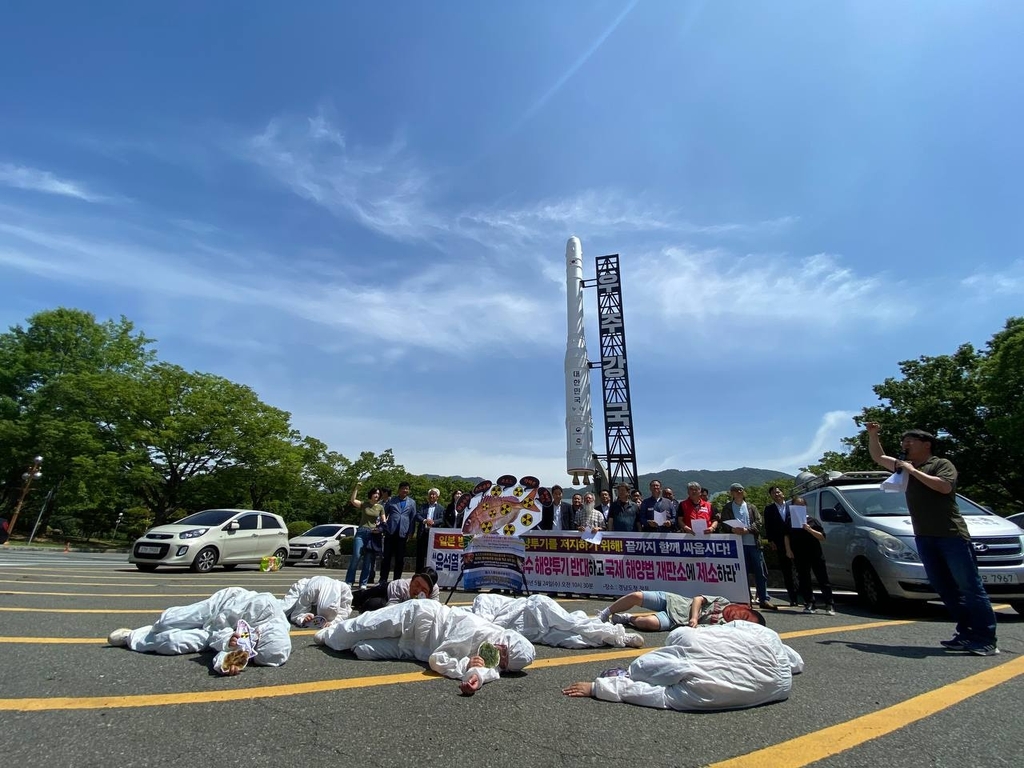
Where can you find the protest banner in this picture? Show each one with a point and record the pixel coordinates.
(561, 561)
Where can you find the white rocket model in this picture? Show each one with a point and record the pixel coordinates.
(579, 423)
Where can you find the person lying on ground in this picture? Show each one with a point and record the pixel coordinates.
(242, 626)
(672, 610)
(420, 586)
(317, 600)
(448, 639)
(541, 620)
(726, 666)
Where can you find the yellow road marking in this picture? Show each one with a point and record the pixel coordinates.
(206, 697)
(851, 733)
(95, 640)
(99, 594)
(81, 610)
(320, 686)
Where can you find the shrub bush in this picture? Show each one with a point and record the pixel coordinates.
(298, 527)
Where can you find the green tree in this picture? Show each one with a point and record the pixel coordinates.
(170, 427)
(39, 364)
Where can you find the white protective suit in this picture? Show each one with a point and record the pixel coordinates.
(210, 624)
(725, 666)
(428, 631)
(540, 619)
(319, 596)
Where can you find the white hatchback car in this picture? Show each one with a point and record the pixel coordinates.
(319, 545)
(200, 541)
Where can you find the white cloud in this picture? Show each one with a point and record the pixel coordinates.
(1009, 281)
(382, 189)
(834, 426)
(431, 308)
(819, 292)
(35, 180)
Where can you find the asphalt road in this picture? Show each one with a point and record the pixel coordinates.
(877, 691)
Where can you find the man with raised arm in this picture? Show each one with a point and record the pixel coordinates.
(943, 542)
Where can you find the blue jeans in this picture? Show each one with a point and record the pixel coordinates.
(360, 550)
(755, 565)
(952, 568)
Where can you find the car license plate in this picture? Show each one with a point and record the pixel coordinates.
(295, 552)
(149, 550)
(999, 578)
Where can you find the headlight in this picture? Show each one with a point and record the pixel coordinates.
(317, 544)
(893, 548)
(195, 533)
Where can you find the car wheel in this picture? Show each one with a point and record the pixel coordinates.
(205, 560)
(329, 558)
(147, 567)
(870, 589)
(283, 554)
(230, 566)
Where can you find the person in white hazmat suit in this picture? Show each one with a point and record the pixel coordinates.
(317, 601)
(725, 666)
(448, 639)
(541, 620)
(215, 624)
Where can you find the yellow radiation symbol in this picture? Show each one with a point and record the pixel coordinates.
(486, 526)
(509, 529)
(518, 490)
(527, 503)
(506, 508)
(492, 513)
(496, 491)
(526, 519)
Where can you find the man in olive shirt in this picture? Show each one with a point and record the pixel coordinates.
(942, 539)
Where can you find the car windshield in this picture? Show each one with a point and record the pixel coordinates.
(209, 517)
(871, 502)
(323, 530)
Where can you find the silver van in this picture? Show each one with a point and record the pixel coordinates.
(869, 541)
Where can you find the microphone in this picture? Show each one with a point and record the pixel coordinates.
(901, 456)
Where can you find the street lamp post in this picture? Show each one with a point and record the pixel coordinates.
(32, 473)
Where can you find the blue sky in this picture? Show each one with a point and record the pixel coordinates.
(360, 209)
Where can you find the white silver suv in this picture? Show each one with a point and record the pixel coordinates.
(869, 544)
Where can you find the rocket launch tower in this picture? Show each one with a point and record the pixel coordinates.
(618, 418)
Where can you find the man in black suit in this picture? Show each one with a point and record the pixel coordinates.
(556, 516)
(426, 517)
(775, 532)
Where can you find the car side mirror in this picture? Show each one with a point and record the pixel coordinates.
(836, 514)
(233, 526)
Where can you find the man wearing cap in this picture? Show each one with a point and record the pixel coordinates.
(742, 517)
(943, 542)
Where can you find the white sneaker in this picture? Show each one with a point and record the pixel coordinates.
(604, 614)
(634, 641)
(119, 637)
(621, 618)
